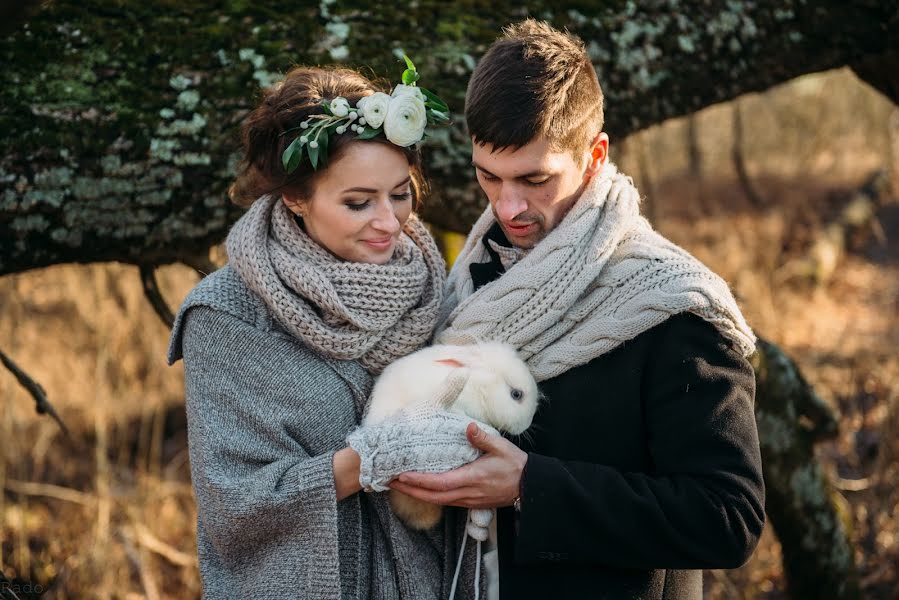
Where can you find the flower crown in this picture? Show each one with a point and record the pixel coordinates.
(402, 115)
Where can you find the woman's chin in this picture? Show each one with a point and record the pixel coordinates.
(375, 254)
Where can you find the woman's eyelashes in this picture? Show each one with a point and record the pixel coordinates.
(363, 204)
(357, 205)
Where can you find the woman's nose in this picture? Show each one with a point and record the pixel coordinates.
(386, 219)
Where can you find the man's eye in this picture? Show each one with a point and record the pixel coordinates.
(537, 182)
(487, 177)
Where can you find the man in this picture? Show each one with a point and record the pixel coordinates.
(642, 466)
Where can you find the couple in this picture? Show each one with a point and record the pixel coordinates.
(642, 465)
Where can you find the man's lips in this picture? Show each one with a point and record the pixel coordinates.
(519, 229)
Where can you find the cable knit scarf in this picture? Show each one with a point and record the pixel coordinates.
(344, 310)
(599, 278)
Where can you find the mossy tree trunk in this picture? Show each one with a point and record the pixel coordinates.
(119, 120)
(818, 557)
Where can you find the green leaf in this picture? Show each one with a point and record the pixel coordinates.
(368, 133)
(433, 101)
(409, 64)
(438, 117)
(292, 156)
(323, 148)
(326, 105)
(313, 156)
(410, 77)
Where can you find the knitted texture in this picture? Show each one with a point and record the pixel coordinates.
(265, 417)
(599, 278)
(424, 438)
(344, 310)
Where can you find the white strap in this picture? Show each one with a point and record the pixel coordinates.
(459, 564)
(477, 564)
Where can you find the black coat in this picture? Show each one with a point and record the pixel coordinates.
(643, 468)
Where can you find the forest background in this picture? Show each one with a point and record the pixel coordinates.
(790, 194)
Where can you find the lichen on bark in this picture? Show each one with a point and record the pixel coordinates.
(90, 84)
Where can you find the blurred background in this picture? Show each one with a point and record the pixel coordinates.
(790, 194)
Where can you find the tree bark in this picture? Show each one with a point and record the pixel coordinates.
(805, 512)
(120, 120)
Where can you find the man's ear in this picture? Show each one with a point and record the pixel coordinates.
(598, 153)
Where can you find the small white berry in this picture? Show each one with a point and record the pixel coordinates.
(313, 144)
(340, 129)
(353, 115)
(362, 121)
(303, 139)
(304, 124)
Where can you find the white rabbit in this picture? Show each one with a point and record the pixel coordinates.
(499, 391)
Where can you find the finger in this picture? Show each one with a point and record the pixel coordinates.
(456, 497)
(439, 482)
(482, 440)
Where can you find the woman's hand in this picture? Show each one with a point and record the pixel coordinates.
(346, 473)
(424, 438)
(491, 481)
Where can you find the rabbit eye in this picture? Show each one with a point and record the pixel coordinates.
(517, 394)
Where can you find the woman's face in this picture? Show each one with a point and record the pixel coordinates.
(360, 203)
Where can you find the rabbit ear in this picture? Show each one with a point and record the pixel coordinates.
(451, 362)
(451, 388)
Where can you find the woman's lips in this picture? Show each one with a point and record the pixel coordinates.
(382, 244)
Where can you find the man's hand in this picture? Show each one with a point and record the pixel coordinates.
(490, 481)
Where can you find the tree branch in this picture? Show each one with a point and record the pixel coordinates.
(739, 163)
(37, 392)
(154, 296)
(122, 147)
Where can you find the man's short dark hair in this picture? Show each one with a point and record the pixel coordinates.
(535, 80)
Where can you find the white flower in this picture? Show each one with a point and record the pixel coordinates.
(340, 107)
(374, 109)
(406, 119)
(403, 90)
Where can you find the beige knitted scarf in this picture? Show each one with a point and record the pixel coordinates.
(599, 278)
(343, 310)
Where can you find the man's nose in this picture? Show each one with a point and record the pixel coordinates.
(509, 203)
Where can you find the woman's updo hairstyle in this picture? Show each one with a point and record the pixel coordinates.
(284, 106)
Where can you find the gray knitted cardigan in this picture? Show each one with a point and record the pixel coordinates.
(265, 417)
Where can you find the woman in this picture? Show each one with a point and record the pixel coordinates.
(330, 278)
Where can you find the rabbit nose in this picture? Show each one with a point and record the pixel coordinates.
(517, 395)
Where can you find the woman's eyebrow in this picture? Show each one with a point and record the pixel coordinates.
(403, 182)
(374, 191)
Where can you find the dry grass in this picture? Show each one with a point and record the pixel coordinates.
(110, 514)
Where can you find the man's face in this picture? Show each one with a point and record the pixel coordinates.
(532, 188)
